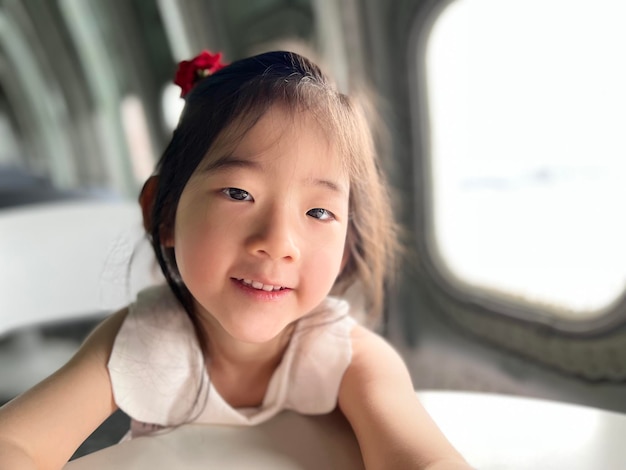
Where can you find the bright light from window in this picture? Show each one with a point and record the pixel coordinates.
(137, 137)
(528, 141)
(172, 105)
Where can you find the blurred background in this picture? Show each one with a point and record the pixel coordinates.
(504, 144)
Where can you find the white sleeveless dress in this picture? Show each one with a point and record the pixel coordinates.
(160, 379)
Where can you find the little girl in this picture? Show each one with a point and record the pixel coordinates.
(267, 199)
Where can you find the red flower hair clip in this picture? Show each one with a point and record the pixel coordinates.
(191, 71)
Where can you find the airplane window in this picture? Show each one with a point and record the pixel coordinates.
(526, 116)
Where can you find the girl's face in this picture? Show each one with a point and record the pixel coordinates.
(260, 239)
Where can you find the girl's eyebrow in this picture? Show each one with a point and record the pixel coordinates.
(230, 161)
(337, 188)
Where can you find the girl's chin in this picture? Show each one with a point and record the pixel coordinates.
(253, 323)
(252, 327)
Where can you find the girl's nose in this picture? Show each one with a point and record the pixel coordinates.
(275, 236)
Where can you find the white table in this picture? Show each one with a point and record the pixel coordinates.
(493, 432)
(287, 442)
(498, 432)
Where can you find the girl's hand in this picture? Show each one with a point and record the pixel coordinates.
(392, 427)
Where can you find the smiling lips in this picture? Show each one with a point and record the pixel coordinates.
(260, 286)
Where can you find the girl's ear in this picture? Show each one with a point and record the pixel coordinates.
(146, 201)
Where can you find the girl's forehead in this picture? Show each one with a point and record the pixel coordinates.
(279, 130)
(279, 126)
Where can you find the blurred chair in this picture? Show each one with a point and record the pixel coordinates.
(65, 256)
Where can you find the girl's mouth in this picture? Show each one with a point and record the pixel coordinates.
(260, 286)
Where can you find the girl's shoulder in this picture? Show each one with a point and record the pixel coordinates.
(371, 350)
(325, 333)
(156, 317)
(377, 397)
(156, 350)
(318, 355)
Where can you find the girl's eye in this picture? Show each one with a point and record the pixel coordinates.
(320, 214)
(237, 194)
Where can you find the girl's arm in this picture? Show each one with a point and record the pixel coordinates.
(43, 427)
(392, 427)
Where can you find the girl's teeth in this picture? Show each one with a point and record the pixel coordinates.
(260, 286)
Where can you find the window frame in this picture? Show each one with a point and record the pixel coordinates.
(449, 287)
